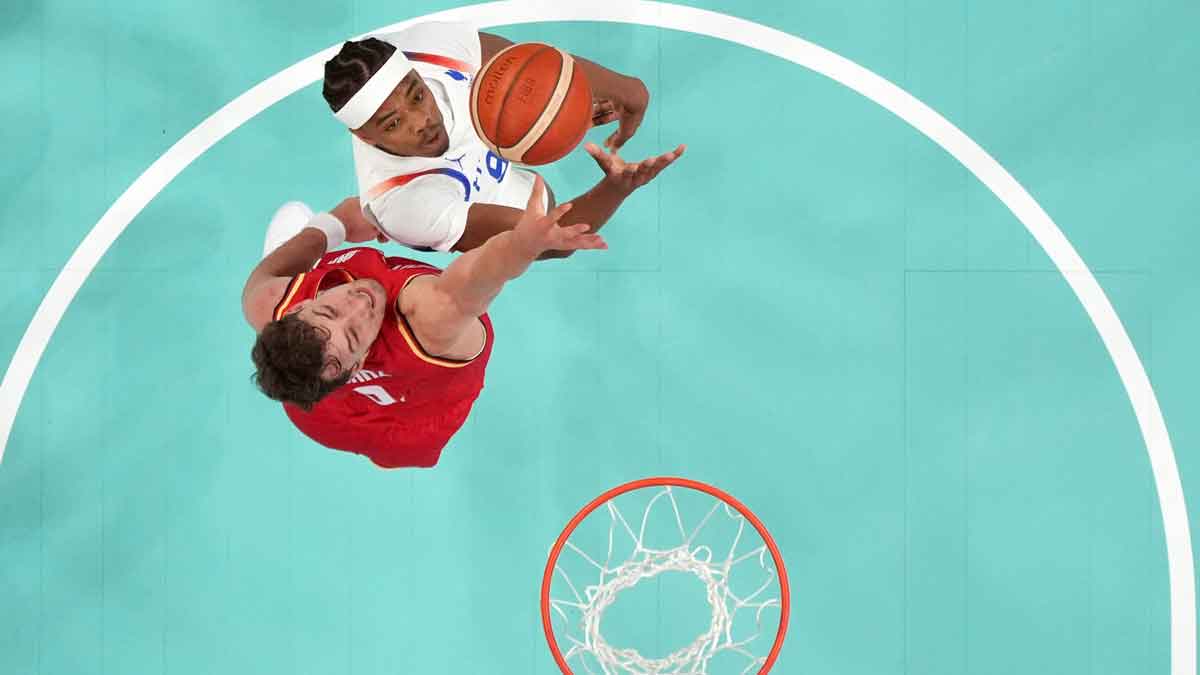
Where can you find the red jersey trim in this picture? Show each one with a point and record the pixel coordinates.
(438, 60)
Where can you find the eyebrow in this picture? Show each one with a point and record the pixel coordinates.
(329, 340)
(329, 334)
(385, 118)
(408, 92)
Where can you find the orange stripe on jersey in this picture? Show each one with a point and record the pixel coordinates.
(414, 345)
(438, 60)
(397, 181)
(420, 352)
(393, 182)
(290, 293)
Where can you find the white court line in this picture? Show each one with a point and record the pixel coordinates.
(756, 36)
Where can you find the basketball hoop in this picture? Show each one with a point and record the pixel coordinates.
(574, 609)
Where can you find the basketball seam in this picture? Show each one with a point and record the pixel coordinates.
(517, 78)
(476, 86)
(577, 73)
(550, 113)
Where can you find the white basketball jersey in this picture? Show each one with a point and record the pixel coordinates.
(422, 202)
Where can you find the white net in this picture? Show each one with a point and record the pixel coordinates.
(579, 605)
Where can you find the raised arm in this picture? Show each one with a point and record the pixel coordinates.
(298, 254)
(441, 309)
(594, 207)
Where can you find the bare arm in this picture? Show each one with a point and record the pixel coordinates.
(442, 308)
(594, 207)
(297, 255)
(264, 285)
(491, 44)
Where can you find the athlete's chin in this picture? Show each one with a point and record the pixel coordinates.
(437, 145)
(378, 296)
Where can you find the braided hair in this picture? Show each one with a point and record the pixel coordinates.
(347, 72)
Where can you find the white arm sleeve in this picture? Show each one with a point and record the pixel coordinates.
(429, 212)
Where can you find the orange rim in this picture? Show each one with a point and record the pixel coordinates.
(548, 575)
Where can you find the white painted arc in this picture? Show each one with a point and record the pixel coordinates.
(516, 153)
(739, 31)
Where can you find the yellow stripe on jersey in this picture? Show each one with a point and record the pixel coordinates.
(290, 293)
(414, 345)
(420, 352)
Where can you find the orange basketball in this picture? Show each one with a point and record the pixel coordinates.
(531, 103)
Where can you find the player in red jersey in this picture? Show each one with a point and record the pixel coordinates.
(385, 356)
(382, 356)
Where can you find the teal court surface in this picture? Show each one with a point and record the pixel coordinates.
(819, 309)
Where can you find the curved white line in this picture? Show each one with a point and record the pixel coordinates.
(755, 36)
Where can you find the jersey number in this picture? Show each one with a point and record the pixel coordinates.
(376, 393)
(497, 166)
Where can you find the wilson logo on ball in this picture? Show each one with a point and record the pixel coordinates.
(531, 103)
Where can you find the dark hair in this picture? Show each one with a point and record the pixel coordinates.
(288, 356)
(347, 72)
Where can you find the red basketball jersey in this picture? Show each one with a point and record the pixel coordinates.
(403, 405)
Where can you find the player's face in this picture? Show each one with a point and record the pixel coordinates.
(408, 123)
(349, 316)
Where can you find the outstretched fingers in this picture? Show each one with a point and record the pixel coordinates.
(555, 214)
(652, 167)
(536, 205)
(607, 162)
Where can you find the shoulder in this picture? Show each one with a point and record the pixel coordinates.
(419, 289)
(260, 300)
(458, 39)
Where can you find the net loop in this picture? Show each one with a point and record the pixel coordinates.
(585, 636)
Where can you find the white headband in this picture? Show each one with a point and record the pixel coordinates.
(365, 103)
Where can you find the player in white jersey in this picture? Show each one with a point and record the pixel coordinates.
(425, 178)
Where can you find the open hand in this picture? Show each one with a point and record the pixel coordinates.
(631, 176)
(539, 231)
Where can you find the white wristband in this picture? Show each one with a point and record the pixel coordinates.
(335, 231)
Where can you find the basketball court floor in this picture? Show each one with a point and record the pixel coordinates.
(824, 308)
